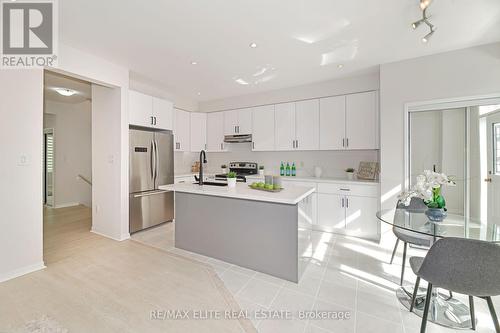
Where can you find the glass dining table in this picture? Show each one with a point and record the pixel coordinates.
(445, 309)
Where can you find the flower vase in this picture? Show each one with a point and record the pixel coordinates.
(231, 182)
(436, 214)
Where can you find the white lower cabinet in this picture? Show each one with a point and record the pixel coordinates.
(360, 219)
(331, 213)
(348, 209)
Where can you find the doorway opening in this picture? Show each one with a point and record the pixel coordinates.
(67, 163)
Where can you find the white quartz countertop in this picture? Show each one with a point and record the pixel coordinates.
(336, 180)
(290, 196)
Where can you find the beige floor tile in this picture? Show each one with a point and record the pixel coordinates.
(259, 292)
(288, 300)
(338, 293)
(234, 281)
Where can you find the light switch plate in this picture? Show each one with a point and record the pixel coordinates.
(23, 160)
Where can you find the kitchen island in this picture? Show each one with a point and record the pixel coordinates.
(269, 232)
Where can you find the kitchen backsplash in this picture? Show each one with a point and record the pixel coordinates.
(333, 163)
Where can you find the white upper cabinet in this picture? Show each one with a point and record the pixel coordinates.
(245, 121)
(230, 122)
(140, 109)
(238, 121)
(181, 130)
(215, 132)
(362, 121)
(163, 113)
(332, 123)
(149, 111)
(198, 131)
(263, 128)
(307, 125)
(284, 127)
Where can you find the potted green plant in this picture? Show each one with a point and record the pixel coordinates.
(261, 170)
(428, 188)
(350, 173)
(224, 168)
(231, 179)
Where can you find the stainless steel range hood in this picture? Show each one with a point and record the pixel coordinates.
(238, 138)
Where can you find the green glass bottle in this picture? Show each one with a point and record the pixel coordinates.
(287, 169)
(294, 170)
(282, 169)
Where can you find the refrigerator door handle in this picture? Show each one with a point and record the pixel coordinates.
(151, 160)
(157, 162)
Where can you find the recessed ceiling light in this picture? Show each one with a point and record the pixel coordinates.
(65, 92)
(340, 66)
(253, 45)
(194, 63)
(241, 81)
(199, 93)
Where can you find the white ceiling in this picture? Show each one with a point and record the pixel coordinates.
(53, 80)
(299, 42)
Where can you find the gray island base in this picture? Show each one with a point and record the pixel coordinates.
(265, 236)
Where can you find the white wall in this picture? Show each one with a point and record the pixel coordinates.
(21, 110)
(150, 87)
(328, 88)
(467, 72)
(105, 151)
(73, 151)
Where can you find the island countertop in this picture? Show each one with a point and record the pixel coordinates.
(291, 196)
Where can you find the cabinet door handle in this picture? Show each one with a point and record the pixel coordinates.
(152, 120)
(347, 202)
(253, 145)
(347, 142)
(342, 202)
(343, 142)
(297, 144)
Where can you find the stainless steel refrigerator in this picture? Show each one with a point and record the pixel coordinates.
(151, 165)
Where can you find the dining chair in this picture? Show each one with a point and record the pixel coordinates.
(467, 266)
(409, 237)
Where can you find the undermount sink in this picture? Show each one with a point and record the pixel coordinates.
(213, 183)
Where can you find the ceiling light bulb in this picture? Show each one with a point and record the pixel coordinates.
(427, 37)
(65, 92)
(253, 45)
(416, 24)
(424, 4)
(194, 63)
(199, 93)
(340, 66)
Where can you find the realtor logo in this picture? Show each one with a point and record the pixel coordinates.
(28, 33)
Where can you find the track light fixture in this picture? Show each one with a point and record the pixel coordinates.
(424, 4)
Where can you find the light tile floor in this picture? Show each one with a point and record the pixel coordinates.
(346, 274)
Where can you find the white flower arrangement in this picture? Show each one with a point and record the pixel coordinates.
(428, 188)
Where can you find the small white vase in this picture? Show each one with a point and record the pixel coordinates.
(350, 175)
(261, 172)
(317, 171)
(231, 182)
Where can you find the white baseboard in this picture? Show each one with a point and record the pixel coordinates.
(69, 204)
(22, 271)
(122, 237)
